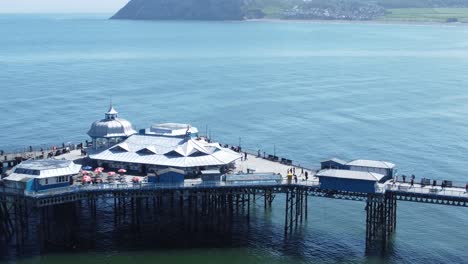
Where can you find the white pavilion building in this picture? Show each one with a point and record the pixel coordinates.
(116, 145)
(110, 130)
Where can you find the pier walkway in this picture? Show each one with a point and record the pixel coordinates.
(221, 198)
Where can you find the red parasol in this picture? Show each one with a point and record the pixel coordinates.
(86, 179)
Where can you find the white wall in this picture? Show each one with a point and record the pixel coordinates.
(385, 172)
(54, 180)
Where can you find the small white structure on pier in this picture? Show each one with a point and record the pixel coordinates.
(382, 167)
(110, 130)
(171, 130)
(37, 175)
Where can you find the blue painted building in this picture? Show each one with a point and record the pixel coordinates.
(38, 175)
(210, 175)
(169, 175)
(376, 166)
(334, 163)
(347, 180)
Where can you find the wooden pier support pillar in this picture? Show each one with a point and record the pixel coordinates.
(380, 222)
(296, 208)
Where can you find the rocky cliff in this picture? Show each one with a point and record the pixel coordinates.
(279, 9)
(182, 10)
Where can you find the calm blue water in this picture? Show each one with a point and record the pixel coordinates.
(309, 90)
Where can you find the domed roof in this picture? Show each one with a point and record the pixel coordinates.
(111, 126)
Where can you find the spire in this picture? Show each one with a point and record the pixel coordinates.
(188, 134)
(111, 113)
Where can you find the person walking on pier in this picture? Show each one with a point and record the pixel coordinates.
(404, 178)
(295, 178)
(466, 188)
(306, 176)
(245, 155)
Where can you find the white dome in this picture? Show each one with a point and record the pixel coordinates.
(111, 126)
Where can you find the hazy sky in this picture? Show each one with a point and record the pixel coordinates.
(61, 6)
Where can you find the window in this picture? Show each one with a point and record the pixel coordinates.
(46, 181)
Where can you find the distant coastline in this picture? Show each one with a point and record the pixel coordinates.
(337, 21)
(410, 11)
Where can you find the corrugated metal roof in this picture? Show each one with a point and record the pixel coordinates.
(340, 161)
(209, 154)
(170, 129)
(18, 177)
(348, 174)
(43, 169)
(111, 126)
(106, 128)
(372, 164)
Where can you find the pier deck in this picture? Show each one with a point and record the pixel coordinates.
(220, 198)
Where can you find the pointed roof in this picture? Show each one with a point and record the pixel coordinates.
(111, 110)
(148, 149)
(122, 147)
(190, 147)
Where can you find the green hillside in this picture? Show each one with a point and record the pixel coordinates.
(387, 10)
(427, 14)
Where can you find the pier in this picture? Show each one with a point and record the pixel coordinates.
(217, 202)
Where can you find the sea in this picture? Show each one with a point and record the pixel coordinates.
(303, 90)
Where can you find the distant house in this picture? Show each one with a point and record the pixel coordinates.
(38, 175)
(169, 175)
(350, 181)
(382, 167)
(334, 163)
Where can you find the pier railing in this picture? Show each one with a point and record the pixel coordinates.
(429, 190)
(102, 187)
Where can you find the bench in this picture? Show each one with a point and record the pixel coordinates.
(403, 188)
(425, 182)
(448, 183)
(250, 171)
